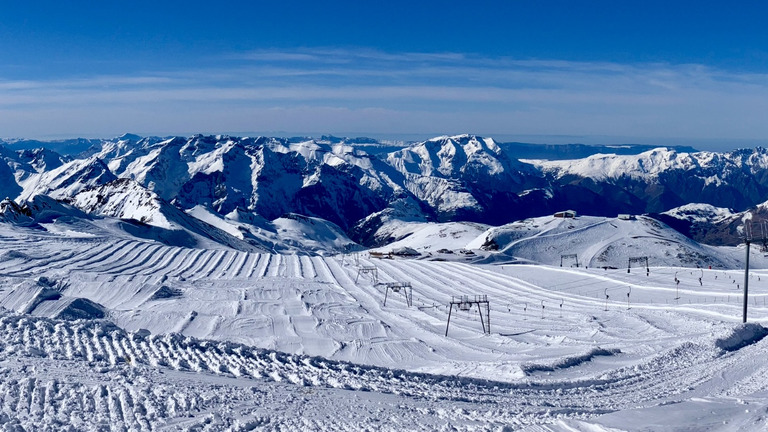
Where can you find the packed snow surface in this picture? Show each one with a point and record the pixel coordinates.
(108, 332)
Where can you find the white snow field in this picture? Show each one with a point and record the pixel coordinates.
(101, 331)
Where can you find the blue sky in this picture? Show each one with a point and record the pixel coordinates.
(691, 73)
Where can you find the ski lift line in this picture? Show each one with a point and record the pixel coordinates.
(594, 278)
(390, 273)
(396, 287)
(503, 284)
(654, 283)
(618, 286)
(590, 282)
(662, 282)
(465, 303)
(661, 279)
(577, 286)
(564, 286)
(579, 282)
(501, 287)
(655, 276)
(430, 272)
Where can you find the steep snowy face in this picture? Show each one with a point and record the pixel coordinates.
(162, 169)
(9, 181)
(39, 160)
(465, 157)
(44, 209)
(663, 178)
(717, 226)
(68, 179)
(268, 176)
(23, 164)
(120, 153)
(124, 199)
(12, 212)
(463, 176)
(315, 179)
(220, 177)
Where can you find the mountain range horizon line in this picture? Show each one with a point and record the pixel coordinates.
(361, 187)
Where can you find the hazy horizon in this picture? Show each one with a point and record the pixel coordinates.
(547, 72)
(720, 145)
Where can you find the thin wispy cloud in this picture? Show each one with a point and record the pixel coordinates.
(433, 91)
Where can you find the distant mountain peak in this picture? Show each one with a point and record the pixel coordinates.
(130, 137)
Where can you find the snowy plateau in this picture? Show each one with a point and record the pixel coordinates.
(221, 283)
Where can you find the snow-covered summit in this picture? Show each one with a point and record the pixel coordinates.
(12, 212)
(596, 242)
(68, 179)
(697, 212)
(454, 157)
(646, 165)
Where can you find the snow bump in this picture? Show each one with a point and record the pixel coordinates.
(741, 336)
(568, 361)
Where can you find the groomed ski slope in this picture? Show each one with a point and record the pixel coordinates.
(603, 241)
(260, 341)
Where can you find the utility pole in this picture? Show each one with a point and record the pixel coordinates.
(746, 280)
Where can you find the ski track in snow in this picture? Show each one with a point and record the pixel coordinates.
(92, 375)
(132, 397)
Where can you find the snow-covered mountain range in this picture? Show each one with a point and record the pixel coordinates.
(358, 188)
(215, 283)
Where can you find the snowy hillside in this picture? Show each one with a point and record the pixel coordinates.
(700, 213)
(109, 332)
(432, 239)
(598, 242)
(290, 233)
(712, 225)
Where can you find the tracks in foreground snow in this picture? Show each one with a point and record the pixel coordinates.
(134, 402)
(124, 399)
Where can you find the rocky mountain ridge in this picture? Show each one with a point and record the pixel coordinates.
(449, 178)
